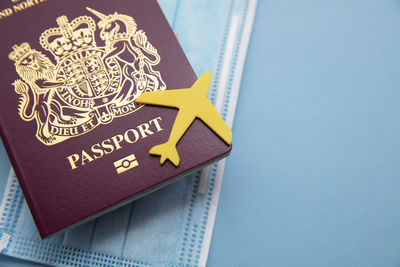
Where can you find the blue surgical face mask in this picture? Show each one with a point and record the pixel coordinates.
(170, 227)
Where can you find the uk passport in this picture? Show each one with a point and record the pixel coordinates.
(78, 141)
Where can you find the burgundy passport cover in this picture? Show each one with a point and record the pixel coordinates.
(78, 141)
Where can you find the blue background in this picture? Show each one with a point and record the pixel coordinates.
(314, 177)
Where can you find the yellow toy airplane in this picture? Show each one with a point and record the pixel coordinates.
(192, 103)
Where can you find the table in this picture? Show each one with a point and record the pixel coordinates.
(314, 176)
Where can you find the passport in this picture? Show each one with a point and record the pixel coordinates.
(78, 141)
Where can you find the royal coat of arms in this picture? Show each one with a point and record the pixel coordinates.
(90, 84)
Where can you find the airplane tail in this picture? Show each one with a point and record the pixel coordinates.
(166, 151)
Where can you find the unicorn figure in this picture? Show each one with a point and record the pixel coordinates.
(133, 51)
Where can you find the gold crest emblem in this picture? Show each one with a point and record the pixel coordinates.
(90, 84)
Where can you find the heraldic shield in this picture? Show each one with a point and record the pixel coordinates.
(90, 84)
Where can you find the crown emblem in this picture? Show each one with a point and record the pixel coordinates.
(79, 84)
(69, 36)
(20, 52)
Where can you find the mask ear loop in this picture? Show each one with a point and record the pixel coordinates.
(201, 189)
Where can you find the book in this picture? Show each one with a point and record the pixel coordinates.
(76, 137)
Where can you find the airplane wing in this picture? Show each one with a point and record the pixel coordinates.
(210, 116)
(168, 98)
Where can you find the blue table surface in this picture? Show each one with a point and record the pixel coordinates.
(314, 176)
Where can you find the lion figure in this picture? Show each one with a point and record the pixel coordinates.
(37, 90)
